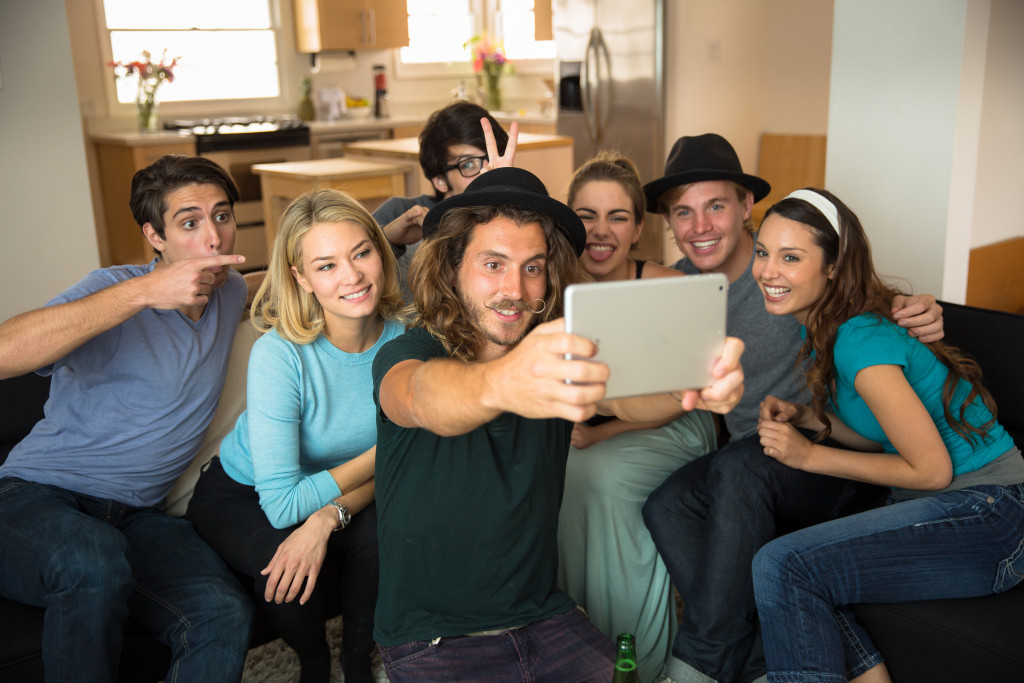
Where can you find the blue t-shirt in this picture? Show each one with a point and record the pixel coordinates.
(129, 408)
(309, 407)
(868, 340)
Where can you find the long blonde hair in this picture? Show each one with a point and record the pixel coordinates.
(281, 304)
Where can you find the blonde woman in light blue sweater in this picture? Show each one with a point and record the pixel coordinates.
(298, 465)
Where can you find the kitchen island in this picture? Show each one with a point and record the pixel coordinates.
(549, 157)
(371, 182)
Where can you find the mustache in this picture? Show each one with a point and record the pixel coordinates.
(520, 304)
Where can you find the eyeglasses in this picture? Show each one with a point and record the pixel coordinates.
(468, 167)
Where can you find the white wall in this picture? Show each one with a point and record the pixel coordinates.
(925, 137)
(47, 227)
(741, 68)
(895, 94)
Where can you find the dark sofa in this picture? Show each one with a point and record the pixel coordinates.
(939, 641)
(977, 639)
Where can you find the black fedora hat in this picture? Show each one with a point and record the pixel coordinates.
(508, 186)
(695, 158)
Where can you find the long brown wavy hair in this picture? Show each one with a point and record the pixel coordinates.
(857, 289)
(434, 275)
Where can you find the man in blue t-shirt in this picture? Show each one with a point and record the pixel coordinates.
(137, 357)
(474, 416)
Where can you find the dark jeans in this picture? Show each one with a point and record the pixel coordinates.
(91, 562)
(708, 520)
(956, 544)
(228, 516)
(563, 648)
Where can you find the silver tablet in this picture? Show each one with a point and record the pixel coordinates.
(655, 335)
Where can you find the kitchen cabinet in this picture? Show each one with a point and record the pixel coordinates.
(325, 25)
(118, 158)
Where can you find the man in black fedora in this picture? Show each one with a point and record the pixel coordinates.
(711, 516)
(474, 418)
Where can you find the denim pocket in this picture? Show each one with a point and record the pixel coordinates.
(11, 483)
(1011, 570)
(406, 653)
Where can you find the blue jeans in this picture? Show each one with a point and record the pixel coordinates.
(566, 647)
(91, 562)
(959, 544)
(707, 521)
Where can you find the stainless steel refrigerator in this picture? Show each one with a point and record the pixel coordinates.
(611, 95)
(611, 78)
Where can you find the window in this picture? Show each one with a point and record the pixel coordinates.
(227, 50)
(439, 28)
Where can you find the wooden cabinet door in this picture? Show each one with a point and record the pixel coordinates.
(117, 166)
(324, 25)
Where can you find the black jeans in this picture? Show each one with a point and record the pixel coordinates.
(228, 516)
(709, 518)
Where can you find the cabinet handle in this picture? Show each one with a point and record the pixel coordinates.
(373, 27)
(362, 28)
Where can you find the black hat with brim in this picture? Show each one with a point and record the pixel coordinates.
(697, 158)
(516, 187)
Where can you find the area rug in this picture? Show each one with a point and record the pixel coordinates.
(275, 662)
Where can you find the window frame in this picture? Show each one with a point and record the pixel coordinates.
(280, 25)
(485, 14)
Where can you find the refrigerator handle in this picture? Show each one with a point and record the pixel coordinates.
(589, 71)
(602, 102)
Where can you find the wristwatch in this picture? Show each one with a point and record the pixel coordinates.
(344, 516)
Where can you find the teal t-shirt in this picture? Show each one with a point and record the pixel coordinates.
(309, 408)
(467, 525)
(868, 340)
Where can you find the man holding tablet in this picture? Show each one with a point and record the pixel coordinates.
(710, 517)
(473, 427)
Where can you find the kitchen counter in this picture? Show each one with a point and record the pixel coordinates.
(136, 139)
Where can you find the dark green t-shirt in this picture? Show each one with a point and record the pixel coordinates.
(467, 524)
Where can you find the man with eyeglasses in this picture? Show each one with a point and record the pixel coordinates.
(459, 142)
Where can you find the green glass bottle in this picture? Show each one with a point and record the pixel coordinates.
(625, 660)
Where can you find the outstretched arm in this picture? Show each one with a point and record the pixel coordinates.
(38, 338)
(451, 397)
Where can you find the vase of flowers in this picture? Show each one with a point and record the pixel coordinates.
(489, 63)
(150, 76)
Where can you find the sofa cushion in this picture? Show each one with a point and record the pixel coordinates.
(232, 403)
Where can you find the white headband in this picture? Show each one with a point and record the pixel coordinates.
(822, 204)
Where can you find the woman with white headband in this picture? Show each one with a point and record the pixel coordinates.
(910, 416)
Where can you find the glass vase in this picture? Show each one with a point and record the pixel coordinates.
(146, 105)
(492, 91)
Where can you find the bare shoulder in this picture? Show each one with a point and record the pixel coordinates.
(654, 269)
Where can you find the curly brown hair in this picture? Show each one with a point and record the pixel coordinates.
(434, 275)
(856, 289)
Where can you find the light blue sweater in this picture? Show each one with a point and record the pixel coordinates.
(309, 408)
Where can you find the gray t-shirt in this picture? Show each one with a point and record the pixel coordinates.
(769, 359)
(389, 211)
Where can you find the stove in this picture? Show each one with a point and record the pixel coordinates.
(238, 133)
